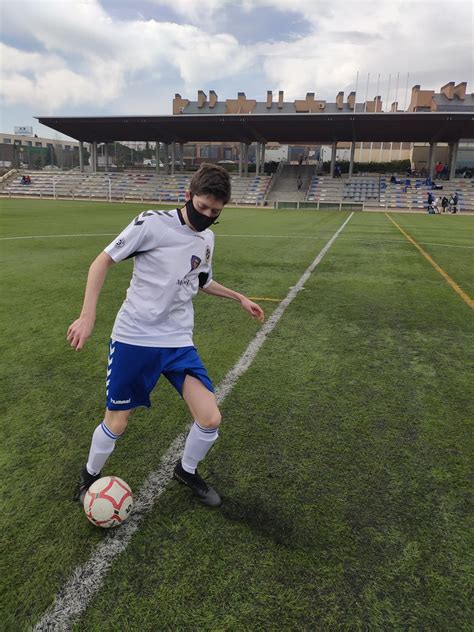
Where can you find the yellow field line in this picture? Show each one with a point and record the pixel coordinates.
(264, 298)
(444, 274)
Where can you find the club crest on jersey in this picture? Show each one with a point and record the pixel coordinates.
(208, 253)
(120, 243)
(195, 261)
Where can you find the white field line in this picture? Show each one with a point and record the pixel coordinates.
(86, 580)
(52, 236)
(318, 236)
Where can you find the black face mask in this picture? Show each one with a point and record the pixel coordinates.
(197, 220)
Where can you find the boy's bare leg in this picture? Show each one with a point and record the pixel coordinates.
(117, 420)
(201, 402)
(203, 406)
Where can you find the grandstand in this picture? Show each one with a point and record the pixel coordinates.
(442, 121)
(126, 186)
(377, 191)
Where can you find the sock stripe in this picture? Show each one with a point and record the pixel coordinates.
(108, 432)
(206, 430)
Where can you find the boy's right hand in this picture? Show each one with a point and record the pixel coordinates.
(79, 331)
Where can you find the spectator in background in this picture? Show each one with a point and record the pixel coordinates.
(299, 183)
(444, 203)
(337, 171)
(439, 169)
(300, 159)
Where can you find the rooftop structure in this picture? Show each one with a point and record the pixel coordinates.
(451, 97)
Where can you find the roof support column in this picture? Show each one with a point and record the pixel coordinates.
(246, 164)
(81, 156)
(157, 157)
(106, 151)
(453, 158)
(257, 158)
(351, 159)
(173, 156)
(167, 159)
(94, 157)
(262, 169)
(241, 151)
(181, 154)
(431, 157)
(333, 159)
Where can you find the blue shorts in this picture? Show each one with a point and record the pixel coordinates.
(132, 372)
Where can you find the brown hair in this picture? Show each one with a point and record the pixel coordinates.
(211, 180)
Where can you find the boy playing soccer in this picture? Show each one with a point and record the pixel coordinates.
(152, 334)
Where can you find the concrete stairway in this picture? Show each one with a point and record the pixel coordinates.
(286, 188)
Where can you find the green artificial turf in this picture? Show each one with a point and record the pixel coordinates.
(345, 450)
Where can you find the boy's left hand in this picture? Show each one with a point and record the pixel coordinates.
(253, 309)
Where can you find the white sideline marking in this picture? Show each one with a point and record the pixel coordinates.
(52, 236)
(318, 236)
(85, 582)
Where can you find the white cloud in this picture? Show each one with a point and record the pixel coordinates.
(428, 38)
(87, 58)
(369, 37)
(80, 57)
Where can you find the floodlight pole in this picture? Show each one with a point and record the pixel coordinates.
(388, 89)
(406, 92)
(366, 92)
(377, 94)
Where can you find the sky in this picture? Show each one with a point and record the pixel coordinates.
(116, 57)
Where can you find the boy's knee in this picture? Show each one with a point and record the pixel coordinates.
(117, 420)
(211, 420)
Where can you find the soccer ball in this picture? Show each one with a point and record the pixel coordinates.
(108, 502)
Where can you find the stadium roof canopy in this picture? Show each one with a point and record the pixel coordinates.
(283, 128)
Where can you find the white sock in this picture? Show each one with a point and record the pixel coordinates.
(102, 446)
(198, 444)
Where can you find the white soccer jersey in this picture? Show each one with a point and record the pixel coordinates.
(171, 262)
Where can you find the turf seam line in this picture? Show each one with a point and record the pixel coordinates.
(467, 299)
(86, 580)
(318, 236)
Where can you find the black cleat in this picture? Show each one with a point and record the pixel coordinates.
(85, 481)
(204, 492)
